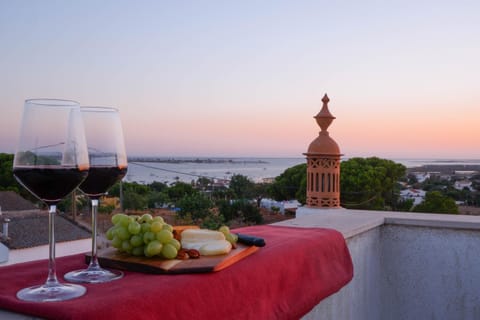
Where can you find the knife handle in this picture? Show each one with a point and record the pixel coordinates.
(250, 240)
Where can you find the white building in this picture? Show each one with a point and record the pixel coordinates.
(461, 184)
(421, 176)
(417, 195)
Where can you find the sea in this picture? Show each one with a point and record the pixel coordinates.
(188, 169)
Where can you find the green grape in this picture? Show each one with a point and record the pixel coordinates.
(159, 219)
(110, 233)
(148, 236)
(136, 240)
(169, 251)
(156, 226)
(231, 238)
(146, 217)
(118, 217)
(122, 232)
(117, 242)
(168, 227)
(138, 251)
(224, 229)
(164, 236)
(146, 226)
(127, 246)
(174, 242)
(134, 227)
(124, 221)
(153, 248)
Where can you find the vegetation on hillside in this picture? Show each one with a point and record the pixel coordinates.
(370, 183)
(366, 183)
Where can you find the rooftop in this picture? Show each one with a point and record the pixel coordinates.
(28, 225)
(31, 230)
(12, 201)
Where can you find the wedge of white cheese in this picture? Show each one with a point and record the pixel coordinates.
(207, 242)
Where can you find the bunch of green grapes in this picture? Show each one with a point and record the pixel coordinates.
(143, 236)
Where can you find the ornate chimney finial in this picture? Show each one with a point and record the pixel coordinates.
(325, 99)
(324, 117)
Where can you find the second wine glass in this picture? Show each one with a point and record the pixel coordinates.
(108, 165)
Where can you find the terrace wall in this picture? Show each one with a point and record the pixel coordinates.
(410, 272)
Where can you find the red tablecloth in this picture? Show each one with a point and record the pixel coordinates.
(283, 280)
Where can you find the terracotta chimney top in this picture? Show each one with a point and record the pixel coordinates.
(323, 144)
(323, 165)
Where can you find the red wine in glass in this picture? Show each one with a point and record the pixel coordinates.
(108, 164)
(100, 179)
(50, 183)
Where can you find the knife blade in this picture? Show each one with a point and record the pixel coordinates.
(250, 240)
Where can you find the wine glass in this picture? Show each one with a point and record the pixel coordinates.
(108, 164)
(51, 161)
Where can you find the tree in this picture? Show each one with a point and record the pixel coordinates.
(134, 201)
(7, 181)
(179, 190)
(157, 186)
(196, 206)
(291, 184)
(240, 209)
(203, 183)
(435, 202)
(370, 183)
(155, 199)
(242, 187)
(135, 195)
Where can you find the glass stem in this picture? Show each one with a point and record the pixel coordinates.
(94, 260)
(52, 274)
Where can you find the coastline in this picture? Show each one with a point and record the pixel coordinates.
(145, 170)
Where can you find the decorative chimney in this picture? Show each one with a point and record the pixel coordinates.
(323, 165)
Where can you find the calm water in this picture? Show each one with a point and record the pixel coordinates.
(254, 168)
(223, 168)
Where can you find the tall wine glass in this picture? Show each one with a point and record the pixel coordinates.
(51, 161)
(108, 164)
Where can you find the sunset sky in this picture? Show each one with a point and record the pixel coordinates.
(245, 78)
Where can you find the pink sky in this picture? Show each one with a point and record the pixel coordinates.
(245, 79)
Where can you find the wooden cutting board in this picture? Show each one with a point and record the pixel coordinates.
(111, 258)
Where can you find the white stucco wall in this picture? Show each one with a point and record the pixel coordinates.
(405, 272)
(429, 273)
(359, 299)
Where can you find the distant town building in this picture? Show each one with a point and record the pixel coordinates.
(280, 206)
(465, 173)
(421, 176)
(462, 184)
(416, 194)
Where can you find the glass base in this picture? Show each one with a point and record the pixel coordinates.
(54, 292)
(97, 275)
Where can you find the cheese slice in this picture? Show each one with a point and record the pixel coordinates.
(213, 248)
(207, 242)
(193, 235)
